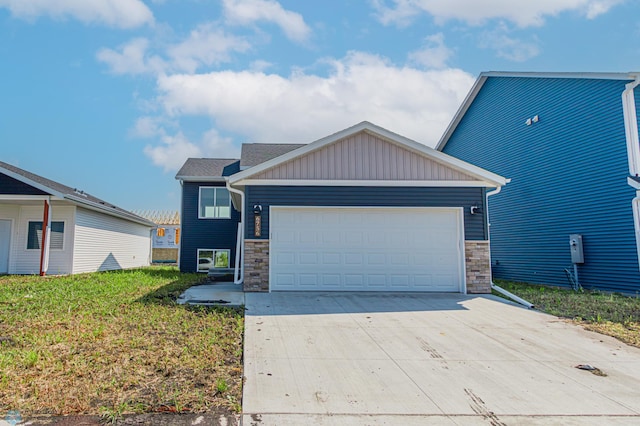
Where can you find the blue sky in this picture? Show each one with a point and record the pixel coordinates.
(111, 96)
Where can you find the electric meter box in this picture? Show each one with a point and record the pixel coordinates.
(577, 254)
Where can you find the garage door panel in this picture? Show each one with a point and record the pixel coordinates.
(369, 249)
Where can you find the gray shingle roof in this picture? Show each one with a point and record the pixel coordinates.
(256, 153)
(73, 194)
(207, 168)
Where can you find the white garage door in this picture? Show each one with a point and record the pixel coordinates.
(366, 249)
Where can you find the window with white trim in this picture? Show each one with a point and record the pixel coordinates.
(212, 258)
(214, 203)
(34, 235)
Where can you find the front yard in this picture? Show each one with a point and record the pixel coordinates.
(612, 314)
(115, 342)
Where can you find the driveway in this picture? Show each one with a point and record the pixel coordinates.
(416, 359)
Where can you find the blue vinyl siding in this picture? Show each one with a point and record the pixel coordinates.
(569, 175)
(203, 233)
(266, 196)
(9, 185)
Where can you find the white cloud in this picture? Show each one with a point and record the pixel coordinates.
(206, 45)
(434, 54)
(247, 12)
(507, 47)
(522, 13)
(175, 149)
(131, 58)
(303, 107)
(113, 13)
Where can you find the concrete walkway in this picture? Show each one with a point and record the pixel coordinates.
(416, 359)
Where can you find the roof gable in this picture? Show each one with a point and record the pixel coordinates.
(366, 153)
(482, 78)
(363, 156)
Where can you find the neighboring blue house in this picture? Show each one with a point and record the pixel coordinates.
(569, 142)
(363, 209)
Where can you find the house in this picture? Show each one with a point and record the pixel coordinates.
(50, 228)
(363, 209)
(165, 236)
(569, 142)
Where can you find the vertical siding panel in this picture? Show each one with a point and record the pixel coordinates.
(366, 158)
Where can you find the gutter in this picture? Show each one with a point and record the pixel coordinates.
(238, 273)
(494, 286)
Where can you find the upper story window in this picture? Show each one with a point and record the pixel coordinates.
(214, 203)
(34, 235)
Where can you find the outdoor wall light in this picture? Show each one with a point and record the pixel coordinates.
(257, 220)
(475, 209)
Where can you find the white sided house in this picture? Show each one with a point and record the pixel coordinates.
(50, 228)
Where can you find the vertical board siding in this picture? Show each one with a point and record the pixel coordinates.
(28, 261)
(475, 227)
(363, 157)
(9, 185)
(568, 174)
(203, 233)
(104, 243)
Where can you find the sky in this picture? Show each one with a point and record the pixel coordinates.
(112, 96)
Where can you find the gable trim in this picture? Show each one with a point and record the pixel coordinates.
(30, 182)
(320, 182)
(462, 166)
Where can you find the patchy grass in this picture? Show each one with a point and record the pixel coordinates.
(113, 343)
(607, 313)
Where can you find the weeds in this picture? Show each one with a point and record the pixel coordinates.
(115, 343)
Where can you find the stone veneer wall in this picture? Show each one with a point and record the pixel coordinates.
(256, 265)
(478, 264)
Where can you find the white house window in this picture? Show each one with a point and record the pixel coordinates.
(214, 203)
(34, 235)
(212, 258)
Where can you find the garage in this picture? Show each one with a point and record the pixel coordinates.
(411, 249)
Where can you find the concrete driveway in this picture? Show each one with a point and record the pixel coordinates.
(416, 359)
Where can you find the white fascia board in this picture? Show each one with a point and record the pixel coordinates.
(398, 183)
(10, 197)
(417, 147)
(580, 75)
(30, 182)
(201, 178)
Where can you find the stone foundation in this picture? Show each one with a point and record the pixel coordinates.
(256, 265)
(478, 264)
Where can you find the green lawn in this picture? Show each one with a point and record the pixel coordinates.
(608, 313)
(115, 342)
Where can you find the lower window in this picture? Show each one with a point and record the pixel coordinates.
(212, 258)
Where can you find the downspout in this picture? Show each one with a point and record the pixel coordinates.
(633, 149)
(46, 236)
(494, 286)
(238, 274)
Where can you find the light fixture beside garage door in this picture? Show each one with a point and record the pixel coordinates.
(257, 220)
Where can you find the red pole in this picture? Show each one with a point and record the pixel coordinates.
(43, 244)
